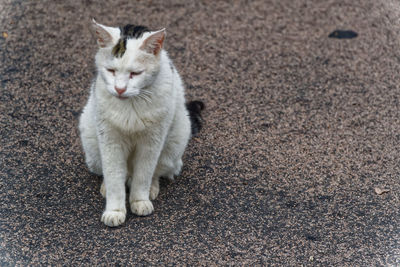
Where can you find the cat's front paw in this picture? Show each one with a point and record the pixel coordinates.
(142, 207)
(113, 218)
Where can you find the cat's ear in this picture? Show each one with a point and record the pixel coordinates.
(154, 43)
(106, 36)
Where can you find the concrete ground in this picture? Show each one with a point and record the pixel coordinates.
(301, 131)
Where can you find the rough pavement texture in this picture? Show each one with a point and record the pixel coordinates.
(299, 130)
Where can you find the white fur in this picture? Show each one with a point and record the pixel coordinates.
(138, 139)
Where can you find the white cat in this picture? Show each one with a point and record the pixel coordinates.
(135, 125)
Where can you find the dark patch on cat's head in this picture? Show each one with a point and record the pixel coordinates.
(128, 32)
(120, 48)
(133, 31)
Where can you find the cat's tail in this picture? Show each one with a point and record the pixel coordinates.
(196, 121)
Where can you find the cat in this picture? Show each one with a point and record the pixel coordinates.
(136, 124)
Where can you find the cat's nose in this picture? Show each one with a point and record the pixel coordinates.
(120, 91)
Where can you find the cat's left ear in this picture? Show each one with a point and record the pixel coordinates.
(106, 36)
(154, 43)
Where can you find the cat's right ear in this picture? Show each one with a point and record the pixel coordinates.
(106, 36)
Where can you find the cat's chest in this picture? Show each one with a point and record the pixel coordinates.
(131, 117)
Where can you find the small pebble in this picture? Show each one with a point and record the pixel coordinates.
(340, 34)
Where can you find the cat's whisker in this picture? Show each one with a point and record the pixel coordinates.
(139, 97)
(148, 100)
(148, 93)
(145, 98)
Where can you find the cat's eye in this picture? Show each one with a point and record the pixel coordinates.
(133, 73)
(112, 71)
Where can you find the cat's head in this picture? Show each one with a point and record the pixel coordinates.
(128, 59)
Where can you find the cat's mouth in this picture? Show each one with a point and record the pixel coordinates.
(122, 97)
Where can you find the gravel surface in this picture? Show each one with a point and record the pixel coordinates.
(301, 131)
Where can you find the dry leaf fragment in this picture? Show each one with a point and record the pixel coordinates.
(381, 191)
(5, 34)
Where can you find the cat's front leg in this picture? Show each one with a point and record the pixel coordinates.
(145, 160)
(114, 170)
